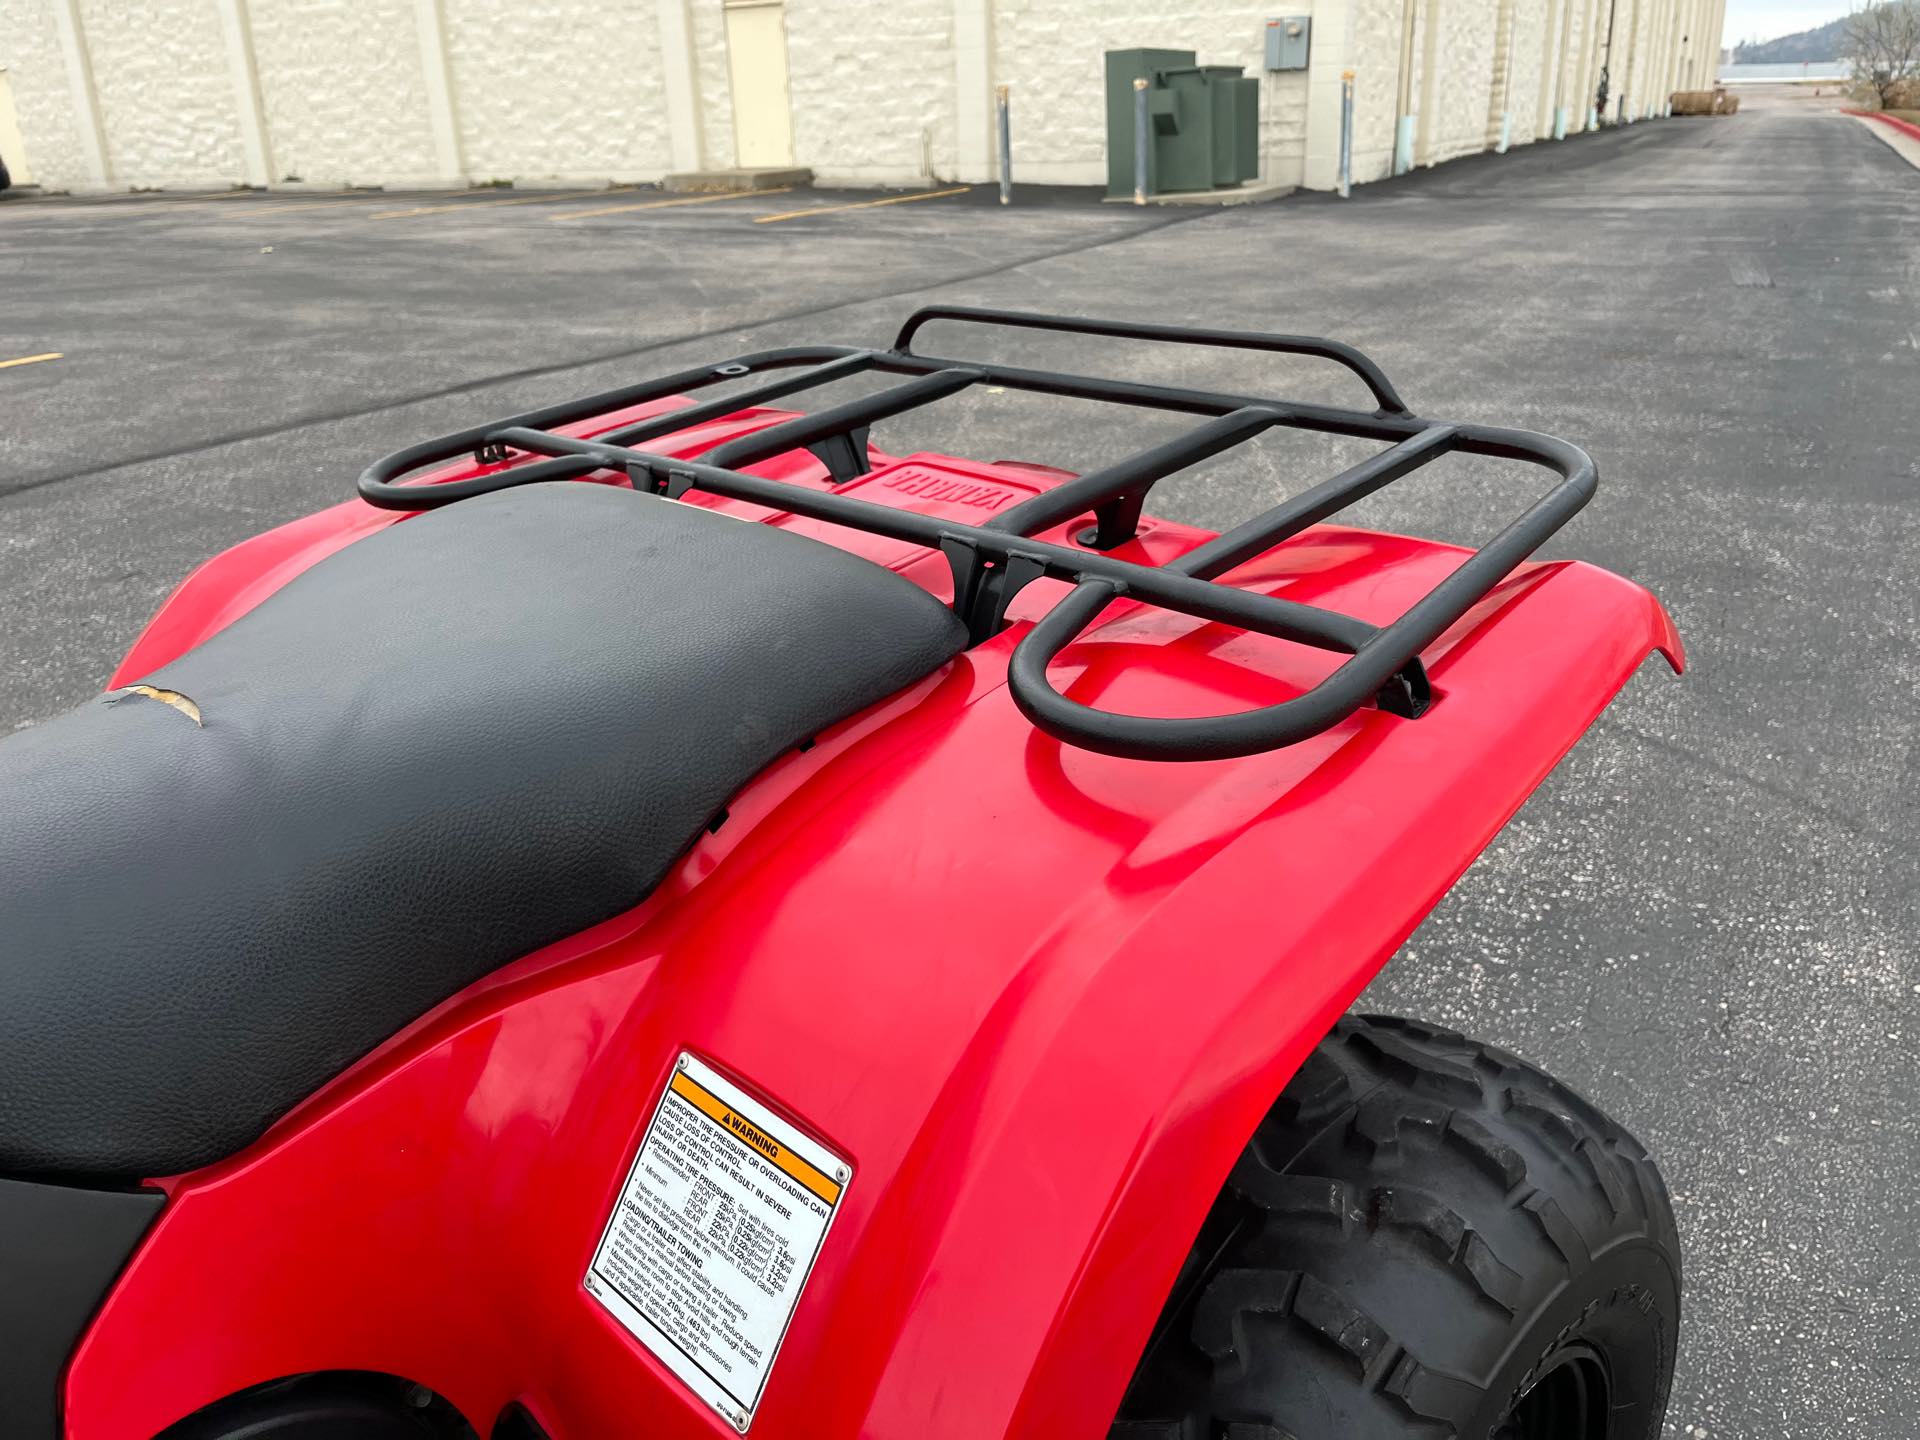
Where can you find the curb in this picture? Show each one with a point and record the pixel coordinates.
(1906, 127)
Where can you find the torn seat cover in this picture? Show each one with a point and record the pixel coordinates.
(460, 739)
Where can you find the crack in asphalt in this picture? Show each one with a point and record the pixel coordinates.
(1844, 820)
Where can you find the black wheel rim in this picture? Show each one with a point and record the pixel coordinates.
(1567, 1401)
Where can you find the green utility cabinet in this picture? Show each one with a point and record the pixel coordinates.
(1203, 122)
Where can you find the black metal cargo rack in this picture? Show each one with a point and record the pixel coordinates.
(992, 562)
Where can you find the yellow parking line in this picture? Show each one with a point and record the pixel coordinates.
(862, 204)
(509, 200)
(663, 204)
(30, 359)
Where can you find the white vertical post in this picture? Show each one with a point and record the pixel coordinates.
(1346, 134)
(682, 82)
(430, 25)
(1140, 141)
(86, 104)
(973, 94)
(247, 105)
(1001, 108)
(1331, 57)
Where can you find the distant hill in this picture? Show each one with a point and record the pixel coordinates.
(1824, 43)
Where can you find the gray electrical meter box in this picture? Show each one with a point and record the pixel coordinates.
(1287, 42)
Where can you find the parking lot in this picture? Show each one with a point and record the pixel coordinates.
(1706, 919)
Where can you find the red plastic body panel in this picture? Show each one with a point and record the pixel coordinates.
(1040, 996)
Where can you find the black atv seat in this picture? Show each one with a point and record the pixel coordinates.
(459, 739)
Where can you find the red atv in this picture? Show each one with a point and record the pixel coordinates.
(576, 965)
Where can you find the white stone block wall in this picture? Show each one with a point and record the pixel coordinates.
(1283, 126)
(709, 29)
(1526, 75)
(872, 87)
(43, 96)
(556, 90)
(343, 91)
(1463, 91)
(1639, 54)
(401, 93)
(1566, 95)
(1497, 97)
(168, 110)
(1378, 32)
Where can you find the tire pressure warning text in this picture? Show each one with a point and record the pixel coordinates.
(714, 1235)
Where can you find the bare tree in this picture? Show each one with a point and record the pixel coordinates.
(1883, 42)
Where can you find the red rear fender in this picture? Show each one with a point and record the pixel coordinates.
(1038, 996)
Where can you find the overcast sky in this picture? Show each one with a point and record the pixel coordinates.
(1764, 19)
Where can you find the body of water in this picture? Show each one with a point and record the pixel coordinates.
(1798, 70)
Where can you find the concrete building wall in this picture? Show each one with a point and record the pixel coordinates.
(44, 97)
(343, 90)
(167, 111)
(13, 150)
(861, 119)
(120, 93)
(1462, 81)
(523, 108)
(1522, 73)
(1569, 93)
(1379, 30)
(715, 109)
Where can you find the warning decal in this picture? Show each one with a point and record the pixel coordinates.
(715, 1232)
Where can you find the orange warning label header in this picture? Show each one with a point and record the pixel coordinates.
(754, 1138)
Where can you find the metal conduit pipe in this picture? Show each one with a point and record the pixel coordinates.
(1403, 104)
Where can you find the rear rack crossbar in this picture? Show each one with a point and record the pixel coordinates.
(838, 435)
(1117, 494)
(992, 563)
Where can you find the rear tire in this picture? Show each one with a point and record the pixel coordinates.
(334, 1405)
(1427, 1237)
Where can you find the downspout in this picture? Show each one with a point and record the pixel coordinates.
(1606, 65)
(1403, 121)
(1563, 54)
(1590, 63)
(1657, 57)
(1633, 51)
(1582, 118)
(1549, 45)
(1506, 84)
(1506, 115)
(1427, 110)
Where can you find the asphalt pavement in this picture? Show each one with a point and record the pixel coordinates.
(1706, 919)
